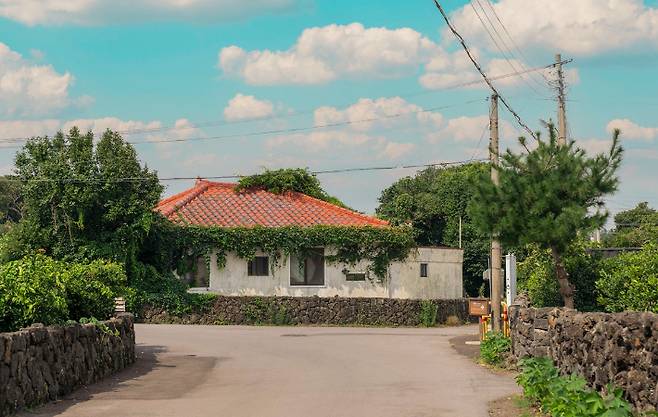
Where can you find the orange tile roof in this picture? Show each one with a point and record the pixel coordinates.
(218, 204)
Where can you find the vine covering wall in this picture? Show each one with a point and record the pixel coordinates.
(177, 245)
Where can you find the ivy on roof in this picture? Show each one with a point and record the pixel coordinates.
(279, 181)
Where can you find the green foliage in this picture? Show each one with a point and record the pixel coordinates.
(634, 228)
(265, 311)
(279, 181)
(11, 201)
(432, 202)
(378, 245)
(39, 289)
(548, 197)
(428, 312)
(100, 325)
(92, 287)
(536, 276)
(567, 396)
(77, 203)
(629, 281)
(494, 348)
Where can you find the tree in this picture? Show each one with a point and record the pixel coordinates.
(432, 202)
(11, 210)
(629, 281)
(548, 197)
(85, 201)
(291, 179)
(634, 228)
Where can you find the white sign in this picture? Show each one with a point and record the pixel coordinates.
(510, 277)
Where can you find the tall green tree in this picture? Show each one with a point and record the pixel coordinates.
(11, 201)
(548, 197)
(634, 228)
(84, 199)
(432, 202)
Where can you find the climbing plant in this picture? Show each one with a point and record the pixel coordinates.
(379, 246)
(290, 179)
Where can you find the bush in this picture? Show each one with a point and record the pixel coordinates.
(537, 277)
(428, 311)
(568, 396)
(630, 281)
(39, 289)
(494, 348)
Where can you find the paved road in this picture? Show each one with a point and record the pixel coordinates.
(199, 371)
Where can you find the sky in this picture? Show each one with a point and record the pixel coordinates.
(228, 87)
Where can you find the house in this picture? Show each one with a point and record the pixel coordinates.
(427, 272)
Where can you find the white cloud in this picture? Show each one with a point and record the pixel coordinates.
(387, 109)
(28, 128)
(594, 146)
(27, 89)
(322, 54)
(470, 129)
(93, 12)
(242, 107)
(394, 150)
(583, 27)
(632, 130)
(131, 130)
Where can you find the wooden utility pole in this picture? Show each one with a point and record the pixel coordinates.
(496, 253)
(561, 110)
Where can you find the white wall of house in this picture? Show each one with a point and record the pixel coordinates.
(443, 280)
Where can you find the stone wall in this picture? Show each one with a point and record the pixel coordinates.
(40, 364)
(604, 348)
(312, 310)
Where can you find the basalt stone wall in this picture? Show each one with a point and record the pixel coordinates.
(620, 348)
(39, 364)
(312, 310)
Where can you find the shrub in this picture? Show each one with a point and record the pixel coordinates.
(32, 290)
(567, 396)
(91, 288)
(537, 277)
(630, 281)
(37, 288)
(494, 348)
(428, 311)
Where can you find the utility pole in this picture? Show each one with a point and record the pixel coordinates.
(496, 253)
(561, 110)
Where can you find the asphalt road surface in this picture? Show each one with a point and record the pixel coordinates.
(236, 371)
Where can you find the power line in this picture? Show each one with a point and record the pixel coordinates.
(476, 151)
(486, 79)
(234, 176)
(515, 45)
(503, 50)
(274, 117)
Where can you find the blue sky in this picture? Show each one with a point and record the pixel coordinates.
(228, 67)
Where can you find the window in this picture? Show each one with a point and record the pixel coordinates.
(308, 270)
(423, 270)
(355, 276)
(198, 275)
(259, 266)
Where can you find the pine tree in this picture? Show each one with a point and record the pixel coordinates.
(548, 196)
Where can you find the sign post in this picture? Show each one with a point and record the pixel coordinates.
(510, 277)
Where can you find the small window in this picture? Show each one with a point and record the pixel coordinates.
(198, 275)
(308, 270)
(259, 266)
(355, 276)
(423, 270)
